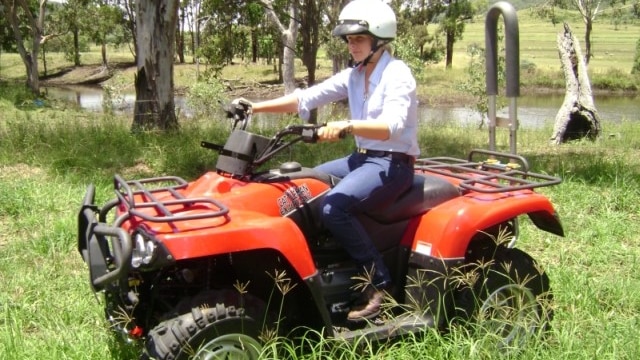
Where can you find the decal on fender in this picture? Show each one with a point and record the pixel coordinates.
(293, 197)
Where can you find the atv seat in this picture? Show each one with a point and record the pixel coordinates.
(426, 192)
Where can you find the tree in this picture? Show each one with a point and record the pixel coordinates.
(335, 47)
(588, 10)
(109, 27)
(73, 17)
(310, 27)
(456, 12)
(18, 14)
(288, 36)
(155, 33)
(180, 30)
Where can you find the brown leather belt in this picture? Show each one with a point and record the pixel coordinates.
(394, 155)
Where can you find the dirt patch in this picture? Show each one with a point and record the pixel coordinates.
(20, 170)
(83, 75)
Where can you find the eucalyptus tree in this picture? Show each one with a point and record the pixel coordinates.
(588, 9)
(456, 14)
(288, 38)
(155, 34)
(181, 27)
(72, 18)
(108, 26)
(254, 16)
(310, 19)
(30, 15)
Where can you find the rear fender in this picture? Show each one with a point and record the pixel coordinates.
(446, 230)
(249, 231)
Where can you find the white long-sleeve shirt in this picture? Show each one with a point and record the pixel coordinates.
(391, 97)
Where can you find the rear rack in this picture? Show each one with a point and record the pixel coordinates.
(490, 175)
(127, 190)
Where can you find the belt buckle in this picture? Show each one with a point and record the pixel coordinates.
(361, 151)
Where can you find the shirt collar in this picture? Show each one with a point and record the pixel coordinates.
(381, 64)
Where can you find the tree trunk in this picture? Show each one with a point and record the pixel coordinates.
(180, 36)
(13, 10)
(288, 38)
(450, 41)
(254, 46)
(155, 27)
(103, 53)
(76, 46)
(587, 41)
(577, 117)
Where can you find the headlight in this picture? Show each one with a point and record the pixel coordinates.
(144, 251)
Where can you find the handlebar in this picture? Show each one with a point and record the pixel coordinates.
(241, 113)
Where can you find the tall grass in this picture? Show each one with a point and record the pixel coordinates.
(49, 153)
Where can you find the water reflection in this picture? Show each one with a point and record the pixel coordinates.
(533, 111)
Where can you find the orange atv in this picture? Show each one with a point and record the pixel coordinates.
(204, 267)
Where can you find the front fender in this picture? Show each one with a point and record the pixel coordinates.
(446, 230)
(248, 231)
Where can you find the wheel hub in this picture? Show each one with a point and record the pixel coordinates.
(229, 347)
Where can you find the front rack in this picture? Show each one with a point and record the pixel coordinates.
(128, 191)
(497, 173)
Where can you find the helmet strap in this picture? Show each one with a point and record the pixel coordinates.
(378, 44)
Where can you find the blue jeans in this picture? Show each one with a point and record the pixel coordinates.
(367, 183)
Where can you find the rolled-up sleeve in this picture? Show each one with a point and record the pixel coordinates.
(333, 89)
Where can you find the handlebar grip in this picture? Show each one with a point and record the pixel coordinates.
(238, 110)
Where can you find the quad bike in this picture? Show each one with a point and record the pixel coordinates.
(207, 267)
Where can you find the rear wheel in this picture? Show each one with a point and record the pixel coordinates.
(510, 298)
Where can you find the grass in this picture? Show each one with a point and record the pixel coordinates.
(48, 156)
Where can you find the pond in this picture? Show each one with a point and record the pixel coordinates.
(533, 111)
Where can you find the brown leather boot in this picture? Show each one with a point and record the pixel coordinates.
(370, 308)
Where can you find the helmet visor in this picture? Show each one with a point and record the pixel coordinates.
(350, 27)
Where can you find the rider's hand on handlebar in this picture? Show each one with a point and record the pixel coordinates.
(239, 109)
(335, 130)
(242, 103)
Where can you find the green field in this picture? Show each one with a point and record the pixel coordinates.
(613, 48)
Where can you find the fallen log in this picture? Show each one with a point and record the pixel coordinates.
(578, 117)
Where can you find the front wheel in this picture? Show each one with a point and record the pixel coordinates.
(510, 299)
(220, 332)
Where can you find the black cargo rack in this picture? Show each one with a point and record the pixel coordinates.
(491, 175)
(126, 190)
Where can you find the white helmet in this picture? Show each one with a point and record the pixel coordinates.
(372, 17)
